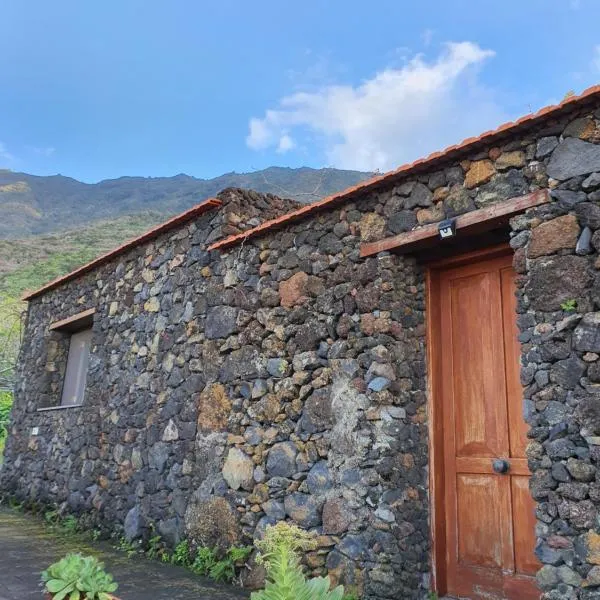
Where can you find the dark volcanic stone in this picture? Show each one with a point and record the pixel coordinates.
(557, 279)
(220, 322)
(402, 221)
(304, 509)
(281, 461)
(574, 157)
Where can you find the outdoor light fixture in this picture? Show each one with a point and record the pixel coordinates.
(447, 229)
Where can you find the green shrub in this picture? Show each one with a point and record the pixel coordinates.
(5, 406)
(209, 563)
(205, 560)
(78, 578)
(279, 553)
(182, 555)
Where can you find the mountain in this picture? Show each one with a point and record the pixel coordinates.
(33, 205)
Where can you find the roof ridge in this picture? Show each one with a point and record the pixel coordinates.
(405, 169)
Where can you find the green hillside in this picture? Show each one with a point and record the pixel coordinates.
(32, 205)
(52, 225)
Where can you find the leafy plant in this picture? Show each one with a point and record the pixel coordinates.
(208, 563)
(279, 553)
(182, 555)
(78, 577)
(56, 521)
(5, 406)
(226, 568)
(205, 560)
(569, 305)
(157, 549)
(130, 548)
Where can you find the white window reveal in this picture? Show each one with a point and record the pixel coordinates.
(77, 366)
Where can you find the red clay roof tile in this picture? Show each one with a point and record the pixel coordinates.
(373, 183)
(347, 194)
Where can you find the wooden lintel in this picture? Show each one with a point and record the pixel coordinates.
(475, 221)
(75, 322)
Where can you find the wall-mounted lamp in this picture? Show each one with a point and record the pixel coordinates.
(447, 229)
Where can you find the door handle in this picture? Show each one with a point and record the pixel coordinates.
(500, 466)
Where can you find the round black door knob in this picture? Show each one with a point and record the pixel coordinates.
(501, 466)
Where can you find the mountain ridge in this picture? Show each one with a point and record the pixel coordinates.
(38, 204)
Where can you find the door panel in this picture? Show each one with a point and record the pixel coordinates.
(489, 516)
(483, 541)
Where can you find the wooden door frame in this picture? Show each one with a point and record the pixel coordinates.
(437, 527)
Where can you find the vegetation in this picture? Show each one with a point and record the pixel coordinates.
(569, 305)
(5, 404)
(280, 554)
(78, 578)
(31, 205)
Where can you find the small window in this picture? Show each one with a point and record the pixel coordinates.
(77, 366)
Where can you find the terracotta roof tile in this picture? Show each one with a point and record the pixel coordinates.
(188, 215)
(440, 156)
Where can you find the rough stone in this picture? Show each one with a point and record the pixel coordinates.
(557, 279)
(134, 524)
(220, 322)
(550, 237)
(479, 172)
(212, 523)
(420, 196)
(402, 221)
(574, 157)
(319, 480)
(238, 470)
(510, 160)
(545, 146)
(568, 372)
(281, 461)
(318, 415)
(303, 509)
(336, 516)
(278, 367)
(372, 227)
(214, 408)
(586, 337)
(458, 202)
(293, 290)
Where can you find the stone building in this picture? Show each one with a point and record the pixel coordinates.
(429, 404)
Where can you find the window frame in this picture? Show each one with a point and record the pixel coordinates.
(68, 327)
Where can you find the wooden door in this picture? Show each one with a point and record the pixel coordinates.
(489, 523)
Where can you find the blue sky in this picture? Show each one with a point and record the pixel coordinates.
(97, 90)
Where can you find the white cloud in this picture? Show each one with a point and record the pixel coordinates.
(427, 37)
(398, 115)
(286, 143)
(44, 151)
(4, 153)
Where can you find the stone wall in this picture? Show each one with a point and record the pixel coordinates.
(286, 377)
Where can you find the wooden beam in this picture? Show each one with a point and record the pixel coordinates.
(79, 321)
(475, 221)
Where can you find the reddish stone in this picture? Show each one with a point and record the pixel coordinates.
(549, 237)
(480, 172)
(293, 290)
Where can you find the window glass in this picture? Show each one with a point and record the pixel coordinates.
(77, 365)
